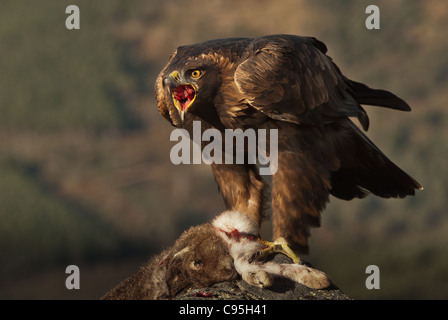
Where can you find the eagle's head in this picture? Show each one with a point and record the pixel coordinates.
(192, 85)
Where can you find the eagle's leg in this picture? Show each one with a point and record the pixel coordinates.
(278, 246)
(300, 191)
(242, 189)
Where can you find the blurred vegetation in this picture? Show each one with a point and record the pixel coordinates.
(84, 156)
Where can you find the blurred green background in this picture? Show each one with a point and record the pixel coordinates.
(85, 174)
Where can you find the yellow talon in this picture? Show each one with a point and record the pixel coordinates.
(279, 245)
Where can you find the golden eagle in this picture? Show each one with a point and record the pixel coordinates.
(288, 83)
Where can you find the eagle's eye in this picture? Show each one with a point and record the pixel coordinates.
(196, 74)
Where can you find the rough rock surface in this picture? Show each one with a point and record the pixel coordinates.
(283, 289)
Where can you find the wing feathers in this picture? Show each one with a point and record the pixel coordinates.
(292, 77)
(369, 170)
(375, 97)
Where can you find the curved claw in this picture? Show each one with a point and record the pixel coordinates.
(278, 246)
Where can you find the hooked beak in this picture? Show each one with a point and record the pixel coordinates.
(183, 94)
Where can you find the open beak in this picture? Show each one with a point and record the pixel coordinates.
(183, 94)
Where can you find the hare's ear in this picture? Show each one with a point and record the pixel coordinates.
(160, 288)
(165, 276)
(181, 253)
(194, 265)
(176, 276)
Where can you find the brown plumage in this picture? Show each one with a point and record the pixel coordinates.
(287, 83)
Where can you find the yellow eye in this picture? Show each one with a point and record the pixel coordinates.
(196, 74)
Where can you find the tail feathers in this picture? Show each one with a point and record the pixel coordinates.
(377, 97)
(371, 172)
